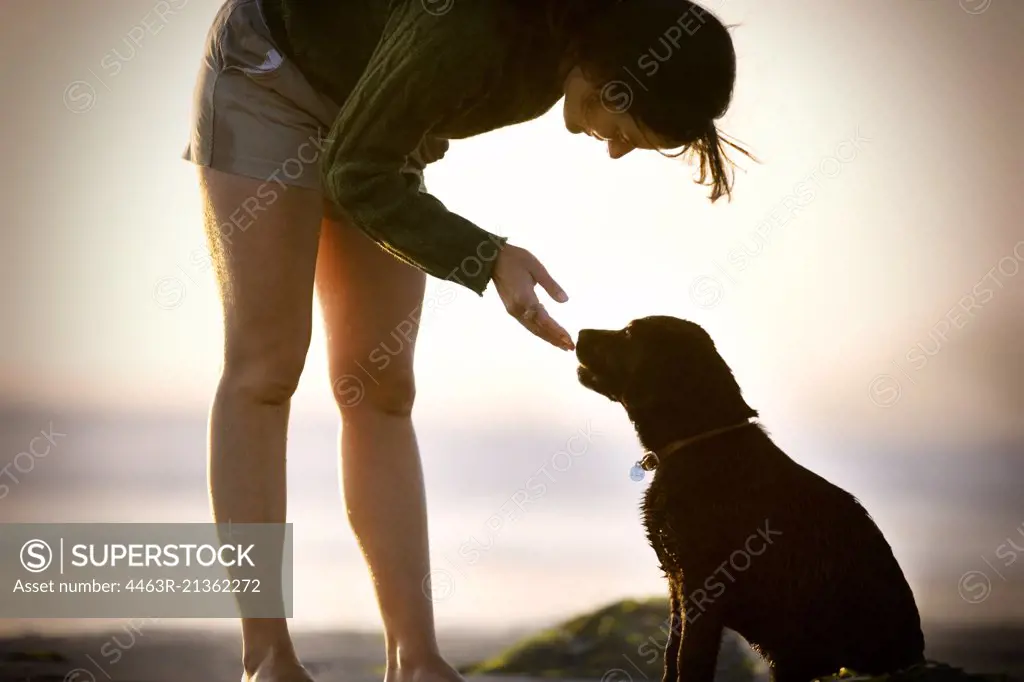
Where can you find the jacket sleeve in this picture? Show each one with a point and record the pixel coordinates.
(425, 66)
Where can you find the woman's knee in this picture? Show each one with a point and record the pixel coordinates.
(265, 373)
(357, 393)
(265, 280)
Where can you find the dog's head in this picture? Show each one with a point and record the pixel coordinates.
(662, 368)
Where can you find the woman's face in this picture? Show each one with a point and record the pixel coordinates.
(603, 113)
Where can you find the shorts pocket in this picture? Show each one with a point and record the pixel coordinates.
(243, 46)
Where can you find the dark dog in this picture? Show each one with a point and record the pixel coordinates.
(749, 539)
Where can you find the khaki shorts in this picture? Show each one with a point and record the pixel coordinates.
(253, 113)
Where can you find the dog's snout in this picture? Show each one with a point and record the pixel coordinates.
(589, 344)
(595, 348)
(586, 337)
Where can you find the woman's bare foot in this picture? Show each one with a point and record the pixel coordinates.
(433, 669)
(278, 668)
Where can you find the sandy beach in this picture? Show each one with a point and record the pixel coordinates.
(160, 655)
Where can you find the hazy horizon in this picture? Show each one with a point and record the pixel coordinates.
(490, 551)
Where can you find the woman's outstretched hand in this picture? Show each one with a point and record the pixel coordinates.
(516, 274)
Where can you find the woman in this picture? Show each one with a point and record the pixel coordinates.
(313, 120)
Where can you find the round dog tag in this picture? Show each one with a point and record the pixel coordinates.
(636, 473)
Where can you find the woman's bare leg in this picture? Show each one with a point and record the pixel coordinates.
(371, 303)
(265, 277)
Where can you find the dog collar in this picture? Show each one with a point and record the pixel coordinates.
(650, 460)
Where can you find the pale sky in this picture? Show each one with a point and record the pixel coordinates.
(903, 118)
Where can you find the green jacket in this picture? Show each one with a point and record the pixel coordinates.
(410, 75)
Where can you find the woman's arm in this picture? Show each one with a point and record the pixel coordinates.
(424, 67)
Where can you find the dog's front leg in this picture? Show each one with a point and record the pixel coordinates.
(675, 618)
(702, 637)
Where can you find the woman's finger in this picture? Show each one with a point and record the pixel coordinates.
(540, 323)
(536, 330)
(543, 278)
(526, 315)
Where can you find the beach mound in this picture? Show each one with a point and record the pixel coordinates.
(625, 642)
(622, 642)
(929, 672)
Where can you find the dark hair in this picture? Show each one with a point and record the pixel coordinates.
(672, 65)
